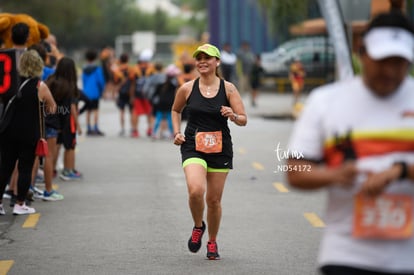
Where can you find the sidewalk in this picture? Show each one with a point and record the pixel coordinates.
(5, 222)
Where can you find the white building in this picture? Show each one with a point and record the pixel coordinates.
(166, 6)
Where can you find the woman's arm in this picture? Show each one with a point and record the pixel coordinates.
(178, 106)
(235, 112)
(45, 95)
(74, 114)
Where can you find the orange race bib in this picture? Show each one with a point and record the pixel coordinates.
(209, 142)
(384, 217)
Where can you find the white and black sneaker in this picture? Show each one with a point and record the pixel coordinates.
(37, 193)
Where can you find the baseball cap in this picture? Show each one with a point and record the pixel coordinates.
(388, 41)
(207, 49)
(146, 55)
(390, 34)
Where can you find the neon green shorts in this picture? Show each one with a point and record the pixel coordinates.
(203, 163)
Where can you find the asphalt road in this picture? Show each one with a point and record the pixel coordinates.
(129, 214)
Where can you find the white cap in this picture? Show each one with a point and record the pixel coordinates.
(146, 55)
(383, 42)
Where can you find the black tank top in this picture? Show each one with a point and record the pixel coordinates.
(204, 116)
(25, 123)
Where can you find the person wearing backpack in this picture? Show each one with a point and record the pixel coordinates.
(163, 99)
(141, 103)
(123, 77)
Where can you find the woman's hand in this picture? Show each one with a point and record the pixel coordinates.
(228, 112)
(179, 138)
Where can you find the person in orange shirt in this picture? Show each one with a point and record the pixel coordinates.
(297, 79)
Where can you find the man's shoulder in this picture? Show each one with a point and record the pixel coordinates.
(337, 89)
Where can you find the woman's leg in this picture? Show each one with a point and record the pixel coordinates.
(169, 122)
(122, 118)
(25, 166)
(215, 187)
(48, 163)
(69, 159)
(158, 118)
(195, 175)
(13, 179)
(35, 169)
(8, 163)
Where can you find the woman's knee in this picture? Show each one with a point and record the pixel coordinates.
(213, 202)
(196, 193)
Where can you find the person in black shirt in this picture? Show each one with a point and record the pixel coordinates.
(206, 145)
(18, 142)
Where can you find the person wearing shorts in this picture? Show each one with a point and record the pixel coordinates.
(123, 80)
(206, 145)
(67, 138)
(62, 84)
(141, 104)
(93, 82)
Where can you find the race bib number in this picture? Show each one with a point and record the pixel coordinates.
(209, 142)
(384, 217)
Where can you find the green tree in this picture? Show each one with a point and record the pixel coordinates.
(196, 5)
(93, 23)
(283, 13)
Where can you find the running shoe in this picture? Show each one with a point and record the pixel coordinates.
(37, 193)
(52, 196)
(8, 194)
(76, 173)
(99, 133)
(194, 243)
(2, 211)
(134, 134)
(212, 251)
(69, 175)
(91, 133)
(23, 209)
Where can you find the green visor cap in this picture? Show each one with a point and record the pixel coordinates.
(207, 49)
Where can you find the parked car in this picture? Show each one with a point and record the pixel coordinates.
(316, 54)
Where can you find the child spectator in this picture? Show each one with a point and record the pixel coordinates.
(93, 86)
